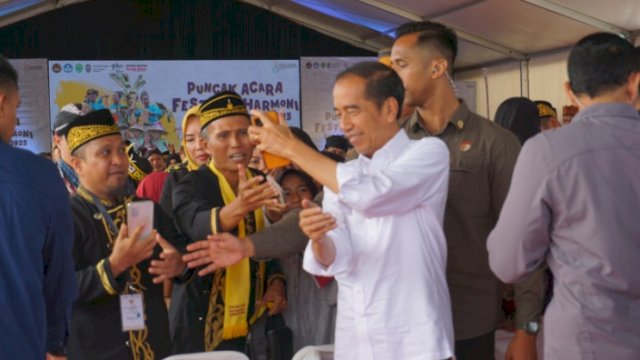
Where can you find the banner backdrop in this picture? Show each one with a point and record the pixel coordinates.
(32, 130)
(149, 98)
(317, 75)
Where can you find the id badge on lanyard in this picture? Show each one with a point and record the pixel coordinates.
(132, 311)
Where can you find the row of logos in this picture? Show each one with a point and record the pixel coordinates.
(117, 67)
(79, 68)
(325, 65)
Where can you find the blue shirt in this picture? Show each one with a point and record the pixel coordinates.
(37, 278)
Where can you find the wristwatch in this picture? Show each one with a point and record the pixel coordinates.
(531, 327)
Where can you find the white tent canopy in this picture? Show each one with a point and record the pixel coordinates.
(489, 30)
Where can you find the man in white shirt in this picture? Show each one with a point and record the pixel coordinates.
(381, 233)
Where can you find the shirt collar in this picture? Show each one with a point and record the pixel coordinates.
(606, 110)
(391, 150)
(458, 119)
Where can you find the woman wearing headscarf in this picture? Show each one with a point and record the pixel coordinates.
(520, 115)
(195, 154)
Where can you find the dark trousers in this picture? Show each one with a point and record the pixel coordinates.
(477, 348)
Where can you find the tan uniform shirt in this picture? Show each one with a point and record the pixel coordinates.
(483, 156)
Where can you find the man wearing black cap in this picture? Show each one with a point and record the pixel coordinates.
(67, 114)
(216, 311)
(547, 115)
(118, 283)
(337, 144)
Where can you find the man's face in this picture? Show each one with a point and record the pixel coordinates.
(157, 162)
(131, 99)
(335, 150)
(9, 102)
(548, 123)
(361, 121)
(92, 96)
(228, 142)
(566, 119)
(145, 100)
(412, 65)
(115, 98)
(102, 165)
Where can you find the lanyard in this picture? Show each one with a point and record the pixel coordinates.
(105, 214)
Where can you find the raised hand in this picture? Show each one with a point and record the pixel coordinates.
(275, 211)
(217, 252)
(130, 250)
(271, 137)
(253, 194)
(315, 223)
(170, 264)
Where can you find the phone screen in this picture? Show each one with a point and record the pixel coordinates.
(140, 213)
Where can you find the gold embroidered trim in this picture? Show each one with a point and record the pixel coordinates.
(80, 135)
(104, 279)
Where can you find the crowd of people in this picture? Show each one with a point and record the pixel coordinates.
(401, 251)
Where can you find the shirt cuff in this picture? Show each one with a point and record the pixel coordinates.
(340, 263)
(215, 220)
(110, 283)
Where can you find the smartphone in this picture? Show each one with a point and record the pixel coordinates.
(271, 161)
(140, 213)
(273, 182)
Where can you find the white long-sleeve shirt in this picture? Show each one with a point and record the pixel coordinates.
(393, 300)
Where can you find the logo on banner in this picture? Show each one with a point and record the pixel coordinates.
(279, 67)
(68, 68)
(79, 68)
(117, 67)
(316, 65)
(56, 68)
(87, 68)
(308, 65)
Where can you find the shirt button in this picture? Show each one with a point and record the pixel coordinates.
(200, 318)
(127, 343)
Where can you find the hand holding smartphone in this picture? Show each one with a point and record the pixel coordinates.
(271, 161)
(275, 184)
(140, 213)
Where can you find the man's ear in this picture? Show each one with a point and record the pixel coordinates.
(439, 66)
(56, 140)
(3, 103)
(390, 107)
(632, 87)
(77, 164)
(566, 86)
